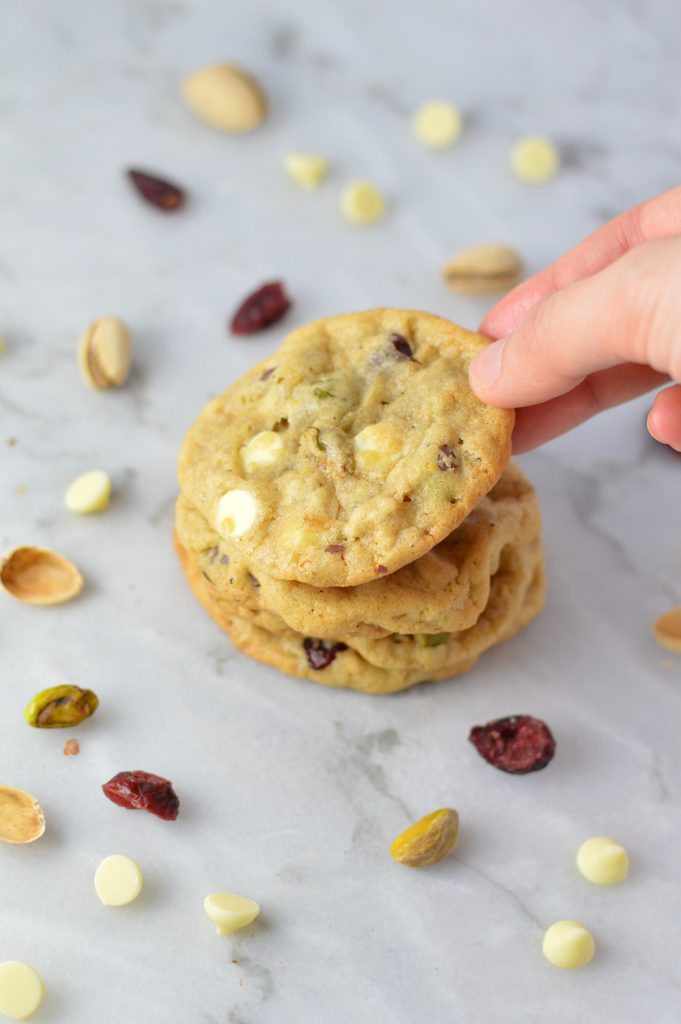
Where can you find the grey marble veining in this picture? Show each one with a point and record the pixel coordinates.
(291, 793)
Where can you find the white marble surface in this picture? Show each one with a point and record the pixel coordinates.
(291, 793)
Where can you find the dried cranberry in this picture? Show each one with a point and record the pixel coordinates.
(401, 345)
(447, 457)
(320, 653)
(381, 570)
(143, 791)
(161, 194)
(260, 309)
(518, 744)
(335, 549)
(267, 373)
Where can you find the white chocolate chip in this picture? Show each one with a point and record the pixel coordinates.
(437, 124)
(237, 511)
(534, 160)
(118, 881)
(89, 493)
(376, 447)
(603, 861)
(226, 97)
(21, 990)
(229, 912)
(362, 203)
(568, 944)
(307, 170)
(263, 449)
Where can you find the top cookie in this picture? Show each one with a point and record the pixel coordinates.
(350, 452)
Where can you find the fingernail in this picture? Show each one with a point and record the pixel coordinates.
(486, 367)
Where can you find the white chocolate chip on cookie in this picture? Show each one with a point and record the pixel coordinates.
(376, 447)
(263, 449)
(237, 511)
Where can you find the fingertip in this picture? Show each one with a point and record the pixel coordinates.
(664, 418)
(485, 369)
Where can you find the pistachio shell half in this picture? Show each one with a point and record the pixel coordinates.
(483, 269)
(61, 707)
(40, 576)
(21, 816)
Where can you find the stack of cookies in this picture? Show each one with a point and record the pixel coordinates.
(348, 512)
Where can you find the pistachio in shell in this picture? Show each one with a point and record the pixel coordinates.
(40, 576)
(60, 707)
(21, 816)
(483, 269)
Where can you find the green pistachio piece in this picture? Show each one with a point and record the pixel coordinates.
(61, 707)
(432, 639)
(323, 393)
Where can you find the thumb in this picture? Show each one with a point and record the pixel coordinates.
(627, 312)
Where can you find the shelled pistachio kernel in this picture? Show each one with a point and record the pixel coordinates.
(105, 353)
(376, 447)
(60, 707)
(362, 203)
(568, 944)
(40, 576)
(21, 990)
(306, 169)
(429, 840)
(432, 639)
(667, 630)
(89, 492)
(21, 816)
(237, 511)
(437, 124)
(229, 912)
(118, 881)
(482, 269)
(603, 861)
(534, 160)
(261, 451)
(226, 97)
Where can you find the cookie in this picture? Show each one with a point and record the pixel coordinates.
(352, 451)
(378, 666)
(443, 591)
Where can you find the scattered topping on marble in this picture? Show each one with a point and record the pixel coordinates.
(432, 639)
(229, 912)
(105, 353)
(261, 308)
(60, 707)
(3, 346)
(603, 861)
(429, 840)
(237, 511)
(437, 124)
(263, 450)
(667, 630)
(320, 653)
(21, 990)
(568, 944)
(145, 792)
(447, 458)
(534, 160)
(401, 345)
(21, 816)
(483, 269)
(518, 744)
(118, 881)
(89, 493)
(157, 191)
(362, 203)
(226, 97)
(40, 576)
(71, 748)
(306, 169)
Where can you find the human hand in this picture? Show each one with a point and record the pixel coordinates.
(596, 328)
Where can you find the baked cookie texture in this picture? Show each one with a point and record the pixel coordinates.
(351, 452)
(348, 513)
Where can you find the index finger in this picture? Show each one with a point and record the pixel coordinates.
(655, 218)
